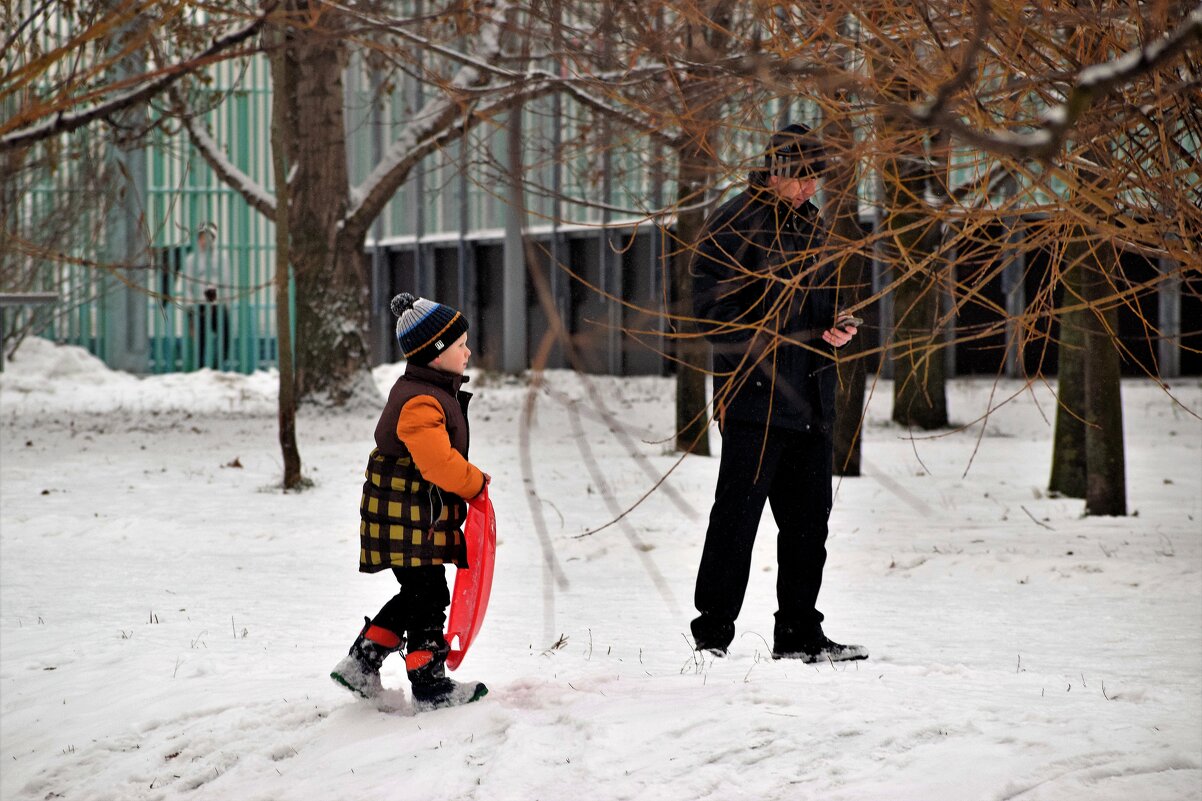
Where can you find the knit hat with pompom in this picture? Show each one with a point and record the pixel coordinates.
(425, 328)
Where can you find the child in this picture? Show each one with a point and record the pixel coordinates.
(413, 506)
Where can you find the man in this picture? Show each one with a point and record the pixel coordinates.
(766, 298)
(208, 274)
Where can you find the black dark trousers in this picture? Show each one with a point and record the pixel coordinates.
(210, 321)
(419, 608)
(791, 470)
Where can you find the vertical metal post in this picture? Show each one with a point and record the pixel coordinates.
(380, 295)
(127, 341)
(423, 267)
(882, 275)
(467, 297)
(558, 276)
(1168, 298)
(1014, 293)
(947, 302)
(513, 326)
(611, 263)
(656, 264)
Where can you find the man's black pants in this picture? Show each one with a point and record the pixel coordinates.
(791, 471)
(210, 321)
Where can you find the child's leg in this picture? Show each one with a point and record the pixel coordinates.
(426, 597)
(359, 670)
(421, 605)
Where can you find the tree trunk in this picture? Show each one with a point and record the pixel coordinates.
(692, 369)
(1068, 442)
(842, 209)
(919, 373)
(283, 127)
(1105, 471)
(328, 262)
(1105, 489)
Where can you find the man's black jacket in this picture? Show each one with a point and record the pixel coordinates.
(755, 279)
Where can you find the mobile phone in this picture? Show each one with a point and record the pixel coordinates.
(848, 319)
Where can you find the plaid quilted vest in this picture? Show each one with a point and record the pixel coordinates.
(406, 521)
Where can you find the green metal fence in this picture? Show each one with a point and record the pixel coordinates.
(213, 306)
(66, 204)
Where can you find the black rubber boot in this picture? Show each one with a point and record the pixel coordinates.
(426, 665)
(359, 670)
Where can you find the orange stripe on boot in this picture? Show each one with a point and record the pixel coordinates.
(418, 659)
(382, 636)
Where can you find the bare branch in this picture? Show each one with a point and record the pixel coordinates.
(428, 125)
(64, 122)
(1091, 83)
(256, 196)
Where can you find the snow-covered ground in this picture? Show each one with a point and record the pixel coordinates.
(168, 618)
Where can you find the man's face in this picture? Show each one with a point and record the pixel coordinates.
(794, 190)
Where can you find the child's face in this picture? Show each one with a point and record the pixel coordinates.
(454, 359)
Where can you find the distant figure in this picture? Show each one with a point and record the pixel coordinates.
(768, 304)
(208, 276)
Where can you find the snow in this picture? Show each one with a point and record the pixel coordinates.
(168, 618)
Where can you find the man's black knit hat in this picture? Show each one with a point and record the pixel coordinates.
(794, 152)
(425, 328)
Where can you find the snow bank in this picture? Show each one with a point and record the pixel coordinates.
(44, 378)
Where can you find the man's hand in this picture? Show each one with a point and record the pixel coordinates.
(842, 333)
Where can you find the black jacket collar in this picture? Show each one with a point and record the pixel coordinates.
(432, 375)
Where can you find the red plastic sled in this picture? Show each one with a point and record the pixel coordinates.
(469, 602)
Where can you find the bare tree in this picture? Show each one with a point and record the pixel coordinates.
(283, 121)
(1096, 148)
(468, 86)
(74, 91)
(85, 92)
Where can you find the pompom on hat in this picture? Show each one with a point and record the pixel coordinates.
(425, 328)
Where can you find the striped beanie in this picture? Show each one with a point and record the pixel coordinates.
(425, 328)
(794, 152)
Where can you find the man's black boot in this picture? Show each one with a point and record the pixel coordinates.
(712, 635)
(810, 644)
